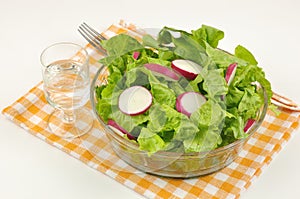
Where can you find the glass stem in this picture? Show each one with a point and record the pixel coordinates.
(69, 117)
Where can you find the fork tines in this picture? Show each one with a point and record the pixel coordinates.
(92, 36)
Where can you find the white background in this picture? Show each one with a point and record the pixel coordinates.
(32, 169)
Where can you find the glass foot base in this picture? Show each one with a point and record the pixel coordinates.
(82, 123)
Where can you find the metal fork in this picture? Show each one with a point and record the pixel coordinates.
(92, 36)
(95, 39)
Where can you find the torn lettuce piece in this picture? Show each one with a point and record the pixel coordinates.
(150, 141)
(208, 34)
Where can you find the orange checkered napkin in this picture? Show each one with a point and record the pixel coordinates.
(32, 110)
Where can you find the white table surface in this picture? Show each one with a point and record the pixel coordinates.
(32, 169)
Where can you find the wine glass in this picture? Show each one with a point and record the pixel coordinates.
(66, 78)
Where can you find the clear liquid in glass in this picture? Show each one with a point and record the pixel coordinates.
(66, 85)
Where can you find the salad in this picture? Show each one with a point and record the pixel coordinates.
(178, 91)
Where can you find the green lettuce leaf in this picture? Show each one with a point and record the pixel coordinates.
(166, 35)
(176, 87)
(121, 44)
(243, 53)
(205, 140)
(149, 41)
(137, 77)
(157, 118)
(150, 141)
(210, 119)
(218, 122)
(222, 58)
(104, 109)
(233, 97)
(210, 114)
(234, 126)
(162, 94)
(159, 61)
(126, 121)
(214, 83)
(118, 46)
(186, 130)
(246, 75)
(189, 49)
(195, 84)
(250, 103)
(208, 34)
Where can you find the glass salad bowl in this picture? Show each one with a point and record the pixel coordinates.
(170, 163)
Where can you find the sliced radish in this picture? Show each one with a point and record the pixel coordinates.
(230, 73)
(249, 124)
(118, 129)
(162, 70)
(222, 97)
(135, 100)
(136, 55)
(186, 68)
(189, 102)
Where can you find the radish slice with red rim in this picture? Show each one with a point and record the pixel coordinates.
(162, 70)
(135, 100)
(230, 73)
(189, 102)
(136, 55)
(118, 129)
(186, 68)
(249, 124)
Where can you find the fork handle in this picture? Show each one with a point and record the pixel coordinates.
(283, 100)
